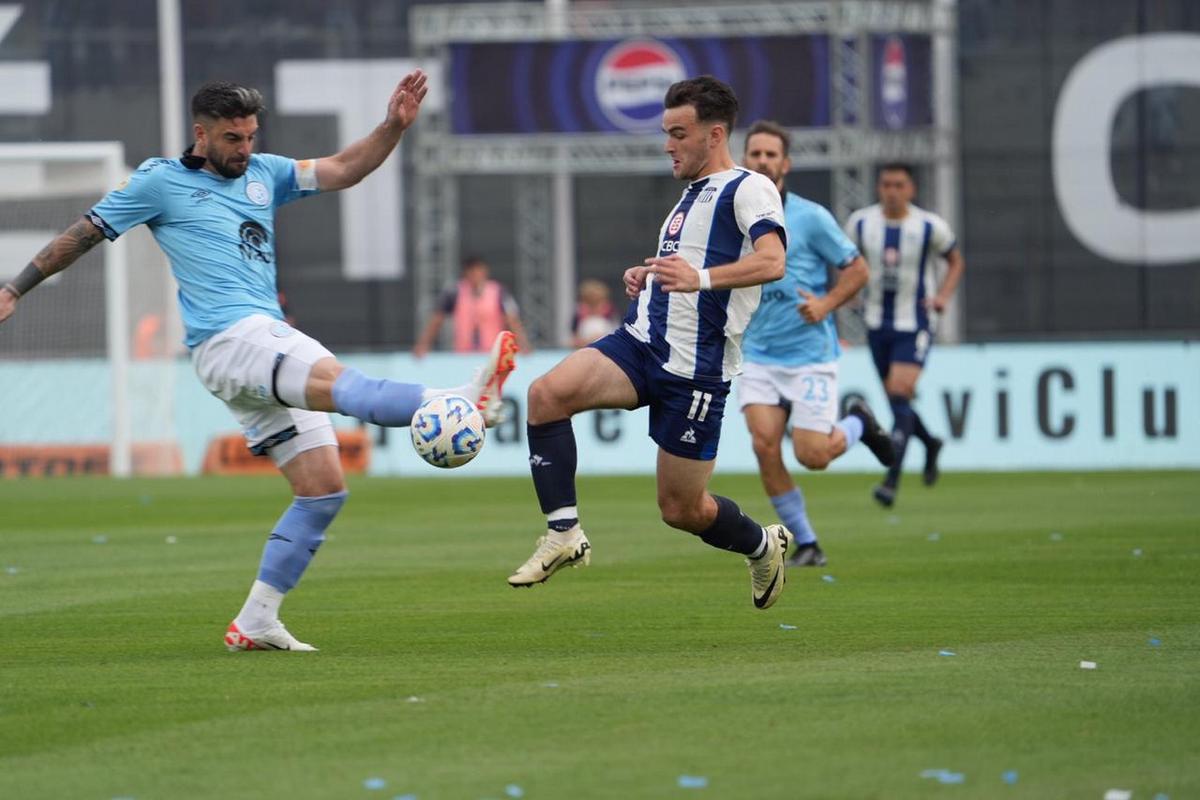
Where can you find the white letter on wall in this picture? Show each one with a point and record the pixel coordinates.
(1082, 139)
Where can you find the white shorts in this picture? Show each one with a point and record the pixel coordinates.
(259, 366)
(811, 391)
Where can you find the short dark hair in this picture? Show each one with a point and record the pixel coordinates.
(773, 128)
(713, 99)
(225, 100)
(473, 261)
(900, 166)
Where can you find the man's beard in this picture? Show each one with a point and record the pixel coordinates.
(229, 170)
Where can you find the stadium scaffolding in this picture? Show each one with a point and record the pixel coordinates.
(849, 148)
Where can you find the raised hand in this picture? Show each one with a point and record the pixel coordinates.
(405, 102)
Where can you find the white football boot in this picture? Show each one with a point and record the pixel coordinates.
(489, 379)
(555, 550)
(768, 573)
(275, 637)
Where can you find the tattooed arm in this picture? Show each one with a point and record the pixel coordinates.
(60, 253)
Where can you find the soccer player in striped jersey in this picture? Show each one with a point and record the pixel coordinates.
(791, 348)
(677, 351)
(212, 211)
(902, 243)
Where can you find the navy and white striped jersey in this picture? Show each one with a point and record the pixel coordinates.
(902, 255)
(716, 222)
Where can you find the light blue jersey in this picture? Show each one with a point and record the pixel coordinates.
(778, 335)
(218, 233)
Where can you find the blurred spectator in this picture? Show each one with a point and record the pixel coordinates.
(481, 308)
(595, 316)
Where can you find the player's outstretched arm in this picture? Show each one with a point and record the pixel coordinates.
(363, 157)
(62, 251)
(850, 279)
(764, 265)
(954, 271)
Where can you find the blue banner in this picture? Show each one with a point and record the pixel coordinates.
(617, 86)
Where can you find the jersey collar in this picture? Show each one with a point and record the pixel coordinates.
(191, 161)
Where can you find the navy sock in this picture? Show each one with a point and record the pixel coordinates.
(919, 429)
(733, 530)
(552, 460)
(904, 420)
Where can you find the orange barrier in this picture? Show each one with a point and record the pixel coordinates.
(228, 455)
(60, 460)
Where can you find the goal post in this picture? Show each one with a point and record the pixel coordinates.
(93, 320)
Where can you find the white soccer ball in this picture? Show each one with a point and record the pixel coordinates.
(448, 431)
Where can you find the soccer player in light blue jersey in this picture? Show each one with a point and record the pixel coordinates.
(678, 350)
(212, 212)
(791, 349)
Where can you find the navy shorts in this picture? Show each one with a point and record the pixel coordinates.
(685, 413)
(906, 347)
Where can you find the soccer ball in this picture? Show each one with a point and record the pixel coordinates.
(447, 431)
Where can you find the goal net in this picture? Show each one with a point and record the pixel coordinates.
(87, 362)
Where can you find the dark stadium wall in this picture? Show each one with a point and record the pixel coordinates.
(1029, 275)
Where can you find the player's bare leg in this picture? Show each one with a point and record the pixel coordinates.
(319, 490)
(584, 380)
(768, 427)
(686, 504)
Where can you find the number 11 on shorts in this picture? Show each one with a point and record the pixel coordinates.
(699, 398)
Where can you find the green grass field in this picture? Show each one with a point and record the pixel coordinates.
(615, 680)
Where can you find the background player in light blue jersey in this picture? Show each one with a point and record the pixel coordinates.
(212, 211)
(791, 349)
(677, 351)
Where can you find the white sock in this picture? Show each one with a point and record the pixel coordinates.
(762, 548)
(468, 390)
(261, 608)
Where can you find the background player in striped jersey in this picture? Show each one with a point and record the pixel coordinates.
(677, 351)
(902, 244)
(791, 348)
(212, 211)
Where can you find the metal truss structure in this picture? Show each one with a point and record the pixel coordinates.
(850, 148)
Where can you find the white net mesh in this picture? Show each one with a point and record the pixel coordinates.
(72, 393)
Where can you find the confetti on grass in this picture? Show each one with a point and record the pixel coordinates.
(692, 782)
(374, 784)
(1009, 776)
(828, 578)
(1087, 664)
(947, 653)
(944, 775)
(512, 790)
(787, 627)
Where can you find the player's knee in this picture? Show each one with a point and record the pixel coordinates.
(766, 448)
(679, 513)
(813, 459)
(896, 387)
(541, 399)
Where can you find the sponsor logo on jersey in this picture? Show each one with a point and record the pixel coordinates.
(258, 193)
(631, 81)
(676, 224)
(893, 83)
(201, 194)
(254, 244)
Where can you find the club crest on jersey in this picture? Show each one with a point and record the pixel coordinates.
(631, 80)
(258, 193)
(676, 224)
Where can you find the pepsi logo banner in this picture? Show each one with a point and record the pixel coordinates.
(903, 80)
(617, 86)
